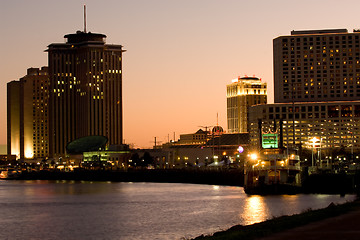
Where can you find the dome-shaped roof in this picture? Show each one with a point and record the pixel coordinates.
(86, 144)
(217, 129)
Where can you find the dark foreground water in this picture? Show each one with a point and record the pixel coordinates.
(104, 210)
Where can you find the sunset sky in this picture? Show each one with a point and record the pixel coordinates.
(180, 54)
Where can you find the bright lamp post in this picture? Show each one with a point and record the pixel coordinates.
(253, 156)
(313, 140)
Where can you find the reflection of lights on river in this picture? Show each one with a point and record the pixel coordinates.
(255, 210)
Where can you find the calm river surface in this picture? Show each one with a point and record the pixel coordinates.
(104, 210)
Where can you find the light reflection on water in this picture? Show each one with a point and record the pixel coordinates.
(93, 210)
(254, 210)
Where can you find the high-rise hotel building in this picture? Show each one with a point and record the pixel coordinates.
(27, 115)
(242, 93)
(317, 65)
(85, 90)
(316, 90)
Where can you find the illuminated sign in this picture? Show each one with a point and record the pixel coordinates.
(270, 140)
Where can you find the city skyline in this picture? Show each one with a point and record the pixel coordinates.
(180, 56)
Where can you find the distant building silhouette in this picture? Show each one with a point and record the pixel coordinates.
(27, 115)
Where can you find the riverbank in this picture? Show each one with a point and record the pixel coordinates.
(343, 217)
(229, 177)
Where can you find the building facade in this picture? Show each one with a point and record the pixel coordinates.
(200, 137)
(13, 118)
(204, 148)
(85, 90)
(241, 94)
(317, 65)
(334, 125)
(316, 92)
(27, 115)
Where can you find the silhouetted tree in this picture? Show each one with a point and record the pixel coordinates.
(135, 160)
(148, 159)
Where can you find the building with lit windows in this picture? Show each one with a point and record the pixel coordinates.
(316, 93)
(333, 124)
(317, 65)
(242, 93)
(208, 147)
(27, 115)
(85, 90)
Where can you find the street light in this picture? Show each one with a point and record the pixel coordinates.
(313, 140)
(253, 156)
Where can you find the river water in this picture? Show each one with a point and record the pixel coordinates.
(104, 210)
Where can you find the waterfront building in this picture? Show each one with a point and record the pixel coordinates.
(211, 148)
(159, 158)
(85, 94)
(242, 93)
(27, 115)
(316, 91)
(321, 125)
(317, 65)
(114, 158)
(4, 158)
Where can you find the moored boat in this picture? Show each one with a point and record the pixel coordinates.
(274, 171)
(10, 174)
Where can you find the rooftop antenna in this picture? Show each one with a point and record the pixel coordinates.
(84, 18)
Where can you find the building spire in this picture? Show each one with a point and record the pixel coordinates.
(84, 18)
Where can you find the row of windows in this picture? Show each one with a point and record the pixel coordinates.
(308, 115)
(320, 89)
(318, 65)
(304, 39)
(320, 96)
(332, 112)
(313, 108)
(346, 71)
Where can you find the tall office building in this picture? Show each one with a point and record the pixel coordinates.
(242, 93)
(317, 65)
(27, 115)
(85, 90)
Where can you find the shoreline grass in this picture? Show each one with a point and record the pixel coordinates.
(282, 223)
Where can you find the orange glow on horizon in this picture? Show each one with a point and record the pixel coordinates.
(176, 69)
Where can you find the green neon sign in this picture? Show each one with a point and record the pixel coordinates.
(270, 140)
